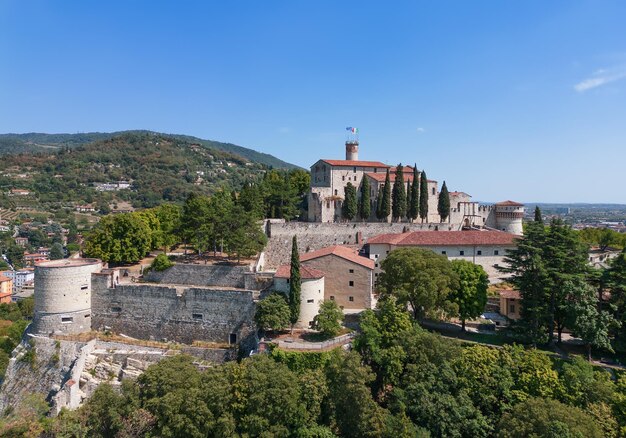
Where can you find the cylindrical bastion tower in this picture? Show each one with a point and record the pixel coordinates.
(509, 217)
(63, 295)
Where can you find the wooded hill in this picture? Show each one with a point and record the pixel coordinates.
(159, 167)
(38, 142)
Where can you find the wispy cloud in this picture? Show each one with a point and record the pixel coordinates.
(599, 78)
(420, 130)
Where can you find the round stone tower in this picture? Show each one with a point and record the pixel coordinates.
(63, 295)
(352, 150)
(509, 215)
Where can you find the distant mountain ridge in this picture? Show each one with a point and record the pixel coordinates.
(34, 142)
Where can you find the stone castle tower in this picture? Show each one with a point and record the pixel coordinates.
(63, 295)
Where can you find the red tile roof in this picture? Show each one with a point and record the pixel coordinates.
(357, 163)
(445, 238)
(460, 194)
(510, 294)
(306, 273)
(380, 177)
(3, 278)
(509, 203)
(339, 251)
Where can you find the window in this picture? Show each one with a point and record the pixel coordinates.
(343, 178)
(84, 287)
(496, 252)
(461, 252)
(387, 252)
(232, 339)
(376, 265)
(351, 271)
(479, 252)
(376, 274)
(375, 256)
(288, 281)
(351, 283)
(375, 170)
(116, 309)
(197, 316)
(335, 192)
(67, 319)
(354, 169)
(350, 298)
(511, 308)
(434, 191)
(443, 252)
(87, 315)
(309, 301)
(332, 298)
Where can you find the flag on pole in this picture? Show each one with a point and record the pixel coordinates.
(352, 130)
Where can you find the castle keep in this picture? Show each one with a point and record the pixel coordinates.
(330, 177)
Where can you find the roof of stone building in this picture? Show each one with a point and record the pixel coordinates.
(460, 194)
(510, 294)
(306, 272)
(509, 203)
(3, 278)
(340, 251)
(408, 175)
(357, 163)
(445, 238)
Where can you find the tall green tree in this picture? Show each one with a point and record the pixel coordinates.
(56, 251)
(123, 238)
(415, 196)
(584, 318)
(385, 207)
(538, 217)
(295, 283)
(529, 275)
(408, 200)
(365, 208)
(349, 207)
(471, 293)
(443, 203)
(328, 320)
(169, 216)
(379, 202)
(423, 197)
(273, 313)
(616, 279)
(398, 197)
(420, 278)
(243, 236)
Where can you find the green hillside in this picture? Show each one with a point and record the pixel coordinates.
(38, 142)
(159, 168)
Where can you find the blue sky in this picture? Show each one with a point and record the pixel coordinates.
(520, 100)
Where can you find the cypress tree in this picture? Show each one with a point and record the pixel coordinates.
(408, 200)
(538, 217)
(443, 205)
(385, 208)
(379, 202)
(365, 207)
(398, 197)
(295, 283)
(423, 197)
(349, 209)
(415, 196)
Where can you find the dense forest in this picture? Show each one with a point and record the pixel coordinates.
(38, 142)
(160, 168)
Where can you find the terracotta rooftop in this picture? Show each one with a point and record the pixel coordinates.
(357, 163)
(3, 278)
(445, 238)
(339, 251)
(306, 273)
(460, 194)
(509, 203)
(380, 177)
(510, 294)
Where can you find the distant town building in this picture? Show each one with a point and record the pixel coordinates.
(19, 192)
(112, 186)
(20, 278)
(21, 241)
(31, 259)
(6, 289)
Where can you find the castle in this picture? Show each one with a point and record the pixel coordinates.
(330, 177)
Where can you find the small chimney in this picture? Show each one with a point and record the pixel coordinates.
(352, 150)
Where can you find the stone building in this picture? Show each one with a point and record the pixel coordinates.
(348, 276)
(330, 177)
(510, 304)
(311, 292)
(63, 295)
(485, 248)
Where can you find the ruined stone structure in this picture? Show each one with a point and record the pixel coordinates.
(63, 295)
(173, 313)
(330, 177)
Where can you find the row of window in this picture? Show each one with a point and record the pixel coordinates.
(461, 253)
(332, 298)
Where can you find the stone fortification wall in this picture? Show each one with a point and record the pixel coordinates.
(148, 311)
(315, 235)
(201, 275)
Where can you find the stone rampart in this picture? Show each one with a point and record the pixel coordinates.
(201, 275)
(316, 235)
(158, 312)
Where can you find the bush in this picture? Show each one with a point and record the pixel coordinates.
(273, 313)
(328, 320)
(161, 263)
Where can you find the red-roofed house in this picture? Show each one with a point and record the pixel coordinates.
(348, 277)
(311, 291)
(483, 247)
